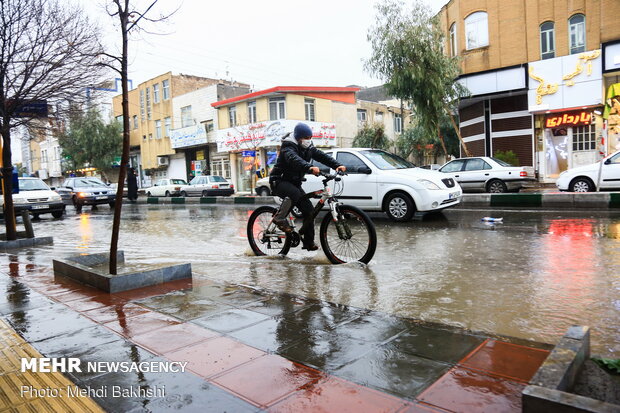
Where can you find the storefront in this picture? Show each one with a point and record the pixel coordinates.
(253, 148)
(565, 97)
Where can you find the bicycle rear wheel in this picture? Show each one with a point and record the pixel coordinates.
(262, 239)
(352, 238)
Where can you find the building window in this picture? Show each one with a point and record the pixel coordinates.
(142, 111)
(379, 117)
(148, 103)
(44, 155)
(119, 119)
(167, 126)
(309, 104)
(547, 41)
(252, 112)
(135, 121)
(158, 129)
(150, 136)
(577, 33)
(361, 116)
(476, 30)
(453, 51)
(277, 108)
(232, 116)
(398, 123)
(186, 116)
(156, 93)
(584, 138)
(143, 137)
(166, 89)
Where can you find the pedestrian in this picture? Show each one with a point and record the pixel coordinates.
(132, 185)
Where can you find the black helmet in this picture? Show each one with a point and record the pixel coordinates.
(302, 131)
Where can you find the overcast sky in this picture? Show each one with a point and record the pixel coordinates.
(264, 43)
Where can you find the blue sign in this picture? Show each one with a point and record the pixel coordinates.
(272, 156)
(248, 153)
(36, 108)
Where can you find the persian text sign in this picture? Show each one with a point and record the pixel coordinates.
(188, 136)
(568, 119)
(270, 133)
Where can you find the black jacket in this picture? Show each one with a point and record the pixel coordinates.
(294, 161)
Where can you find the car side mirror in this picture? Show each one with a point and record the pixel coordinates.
(364, 170)
(607, 161)
(53, 188)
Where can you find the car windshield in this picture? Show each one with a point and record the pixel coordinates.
(218, 179)
(32, 185)
(385, 160)
(502, 163)
(88, 183)
(178, 182)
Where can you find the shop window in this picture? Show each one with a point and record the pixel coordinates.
(309, 105)
(584, 138)
(277, 108)
(547, 40)
(166, 89)
(252, 112)
(232, 116)
(577, 33)
(186, 116)
(477, 30)
(453, 50)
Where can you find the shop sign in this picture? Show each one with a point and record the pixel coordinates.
(189, 136)
(568, 119)
(248, 153)
(270, 133)
(566, 82)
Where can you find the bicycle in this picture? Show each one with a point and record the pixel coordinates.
(347, 234)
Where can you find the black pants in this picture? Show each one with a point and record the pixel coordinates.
(285, 189)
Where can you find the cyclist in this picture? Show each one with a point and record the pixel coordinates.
(286, 177)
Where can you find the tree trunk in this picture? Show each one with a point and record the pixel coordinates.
(458, 133)
(7, 183)
(125, 155)
(443, 144)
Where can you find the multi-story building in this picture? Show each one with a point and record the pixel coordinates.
(152, 120)
(536, 72)
(251, 125)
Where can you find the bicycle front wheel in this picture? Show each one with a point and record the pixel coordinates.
(351, 238)
(263, 236)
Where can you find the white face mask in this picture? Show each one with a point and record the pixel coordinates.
(305, 143)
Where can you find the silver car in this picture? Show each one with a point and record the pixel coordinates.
(486, 174)
(208, 185)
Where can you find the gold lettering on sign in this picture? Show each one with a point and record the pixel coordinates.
(543, 88)
(582, 58)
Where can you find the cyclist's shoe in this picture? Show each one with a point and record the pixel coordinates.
(283, 225)
(312, 247)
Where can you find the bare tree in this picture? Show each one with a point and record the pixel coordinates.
(128, 18)
(48, 54)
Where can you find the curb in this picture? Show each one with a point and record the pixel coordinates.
(226, 200)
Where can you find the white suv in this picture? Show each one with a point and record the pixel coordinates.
(380, 181)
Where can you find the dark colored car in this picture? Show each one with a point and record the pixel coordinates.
(86, 191)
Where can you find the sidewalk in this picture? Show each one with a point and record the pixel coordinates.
(249, 350)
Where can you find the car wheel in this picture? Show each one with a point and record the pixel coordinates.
(204, 193)
(183, 193)
(167, 194)
(496, 186)
(36, 216)
(58, 214)
(581, 185)
(263, 192)
(399, 207)
(77, 204)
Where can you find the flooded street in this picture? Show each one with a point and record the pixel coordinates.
(531, 277)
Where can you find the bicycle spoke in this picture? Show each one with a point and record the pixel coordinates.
(354, 248)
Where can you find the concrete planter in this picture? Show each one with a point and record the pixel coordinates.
(550, 388)
(82, 268)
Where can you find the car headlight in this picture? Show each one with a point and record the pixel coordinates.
(428, 184)
(55, 198)
(82, 194)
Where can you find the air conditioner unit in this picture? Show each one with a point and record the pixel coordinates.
(162, 160)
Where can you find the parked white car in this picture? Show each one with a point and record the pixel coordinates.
(486, 174)
(35, 196)
(166, 187)
(380, 181)
(585, 178)
(208, 185)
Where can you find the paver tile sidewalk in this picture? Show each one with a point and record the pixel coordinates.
(251, 350)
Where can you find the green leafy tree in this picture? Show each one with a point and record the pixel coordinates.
(507, 156)
(407, 53)
(372, 136)
(416, 141)
(91, 142)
